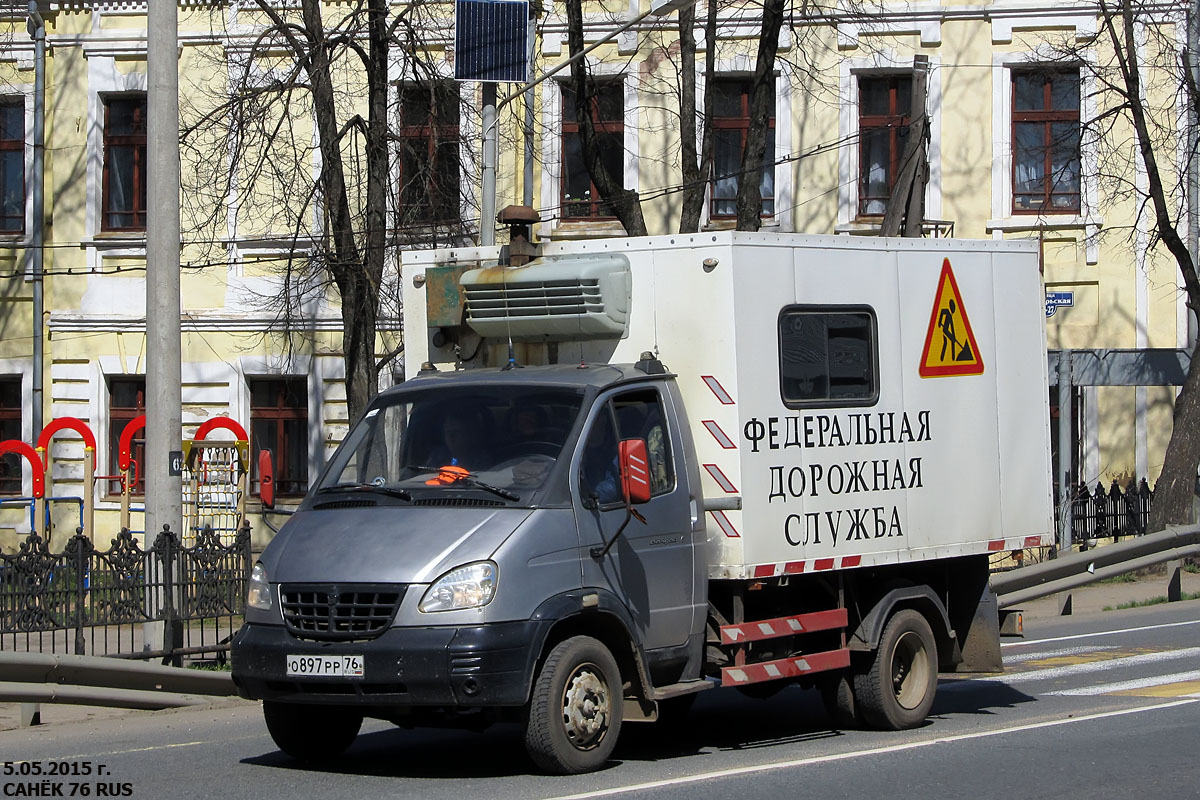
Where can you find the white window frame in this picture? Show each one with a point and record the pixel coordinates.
(883, 62)
(25, 92)
(468, 132)
(552, 100)
(1002, 218)
(742, 66)
(105, 79)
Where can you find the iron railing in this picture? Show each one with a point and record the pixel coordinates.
(1113, 513)
(168, 601)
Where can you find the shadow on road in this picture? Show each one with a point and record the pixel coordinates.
(719, 721)
(966, 696)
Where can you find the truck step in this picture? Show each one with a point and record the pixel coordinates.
(791, 667)
(784, 626)
(686, 687)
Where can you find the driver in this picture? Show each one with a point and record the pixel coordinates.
(462, 442)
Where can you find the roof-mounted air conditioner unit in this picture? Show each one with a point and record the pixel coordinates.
(552, 299)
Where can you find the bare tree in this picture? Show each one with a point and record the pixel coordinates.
(696, 164)
(1142, 82)
(762, 105)
(625, 203)
(305, 123)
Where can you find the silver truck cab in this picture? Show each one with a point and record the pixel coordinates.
(469, 555)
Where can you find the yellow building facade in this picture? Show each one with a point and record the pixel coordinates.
(999, 75)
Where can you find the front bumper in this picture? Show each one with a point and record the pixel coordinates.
(456, 667)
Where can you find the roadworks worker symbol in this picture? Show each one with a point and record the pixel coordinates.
(950, 347)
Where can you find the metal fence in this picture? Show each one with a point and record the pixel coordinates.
(1113, 513)
(169, 601)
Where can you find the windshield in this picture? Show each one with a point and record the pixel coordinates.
(499, 439)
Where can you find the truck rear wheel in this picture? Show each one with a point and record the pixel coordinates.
(897, 691)
(575, 712)
(311, 732)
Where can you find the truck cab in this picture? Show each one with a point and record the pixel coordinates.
(469, 540)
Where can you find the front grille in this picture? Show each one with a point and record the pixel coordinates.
(341, 613)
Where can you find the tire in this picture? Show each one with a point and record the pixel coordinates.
(897, 691)
(311, 732)
(574, 715)
(841, 706)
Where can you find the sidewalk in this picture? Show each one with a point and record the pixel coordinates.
(1095, 597)
(1086, 600)
(63, 714)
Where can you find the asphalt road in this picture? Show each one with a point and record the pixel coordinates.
(1103, 706)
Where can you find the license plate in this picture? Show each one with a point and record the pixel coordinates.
(325, 666)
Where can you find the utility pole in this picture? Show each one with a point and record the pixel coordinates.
(164, 425)
(907, 201)
(1192, 81)
(37, 243)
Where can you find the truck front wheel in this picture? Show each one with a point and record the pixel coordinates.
(897, 691)
(574, 716)
(311, 732)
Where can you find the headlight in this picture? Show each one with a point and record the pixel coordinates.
(258, 595)
(468, 586)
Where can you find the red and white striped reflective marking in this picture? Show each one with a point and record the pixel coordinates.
(996, 545)
(726, 526)
(784, 626)
(719, 476)
(719, 435)
(796, 567)
(717, 389)
(785, 668)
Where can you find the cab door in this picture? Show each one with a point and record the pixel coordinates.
(650, 566)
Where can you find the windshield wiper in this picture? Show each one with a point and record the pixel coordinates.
(390, 491)
(449, 476)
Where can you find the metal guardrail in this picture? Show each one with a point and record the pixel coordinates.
(99, 681)
(1079, 569)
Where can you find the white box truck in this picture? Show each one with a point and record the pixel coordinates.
(630, 470)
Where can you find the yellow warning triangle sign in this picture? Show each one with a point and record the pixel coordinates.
(950, 347)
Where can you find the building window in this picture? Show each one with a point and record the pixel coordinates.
(1045, 137)
(884, 116)
(124, 163)
(279, 423)
(428, 154)
(11, 464)
(731, 123)
(126, 400)
(12, 165)
(581, 199)
(827, 356)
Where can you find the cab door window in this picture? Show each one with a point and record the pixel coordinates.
(635, 414)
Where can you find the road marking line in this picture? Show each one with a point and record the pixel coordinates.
(134, 750)
(1095, 666)
(1100, 633)
(898, 748)
(1086, 657)
(1064, 651)
(1052, 673)
(1183, 683)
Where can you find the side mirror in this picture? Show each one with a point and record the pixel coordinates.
(266, 479)
(635, 471)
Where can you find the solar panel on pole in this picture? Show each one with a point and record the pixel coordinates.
(491, 40)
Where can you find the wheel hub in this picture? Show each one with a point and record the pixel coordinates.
(910, 670)
(586, 707)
